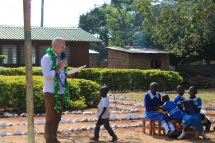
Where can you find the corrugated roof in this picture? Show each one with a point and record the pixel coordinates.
(47, 33)
(139, 49)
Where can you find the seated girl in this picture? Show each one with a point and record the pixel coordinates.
(192, 117)
(174, 112)
(152, 103)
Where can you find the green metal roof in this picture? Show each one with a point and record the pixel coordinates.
(47, 33)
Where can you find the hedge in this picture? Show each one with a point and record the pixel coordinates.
(13, 92)
(117, 79)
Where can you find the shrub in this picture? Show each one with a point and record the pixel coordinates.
(117, 79)
(78, 104)
(13, 92)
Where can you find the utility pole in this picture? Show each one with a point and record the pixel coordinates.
(28, 69)
(42, 13)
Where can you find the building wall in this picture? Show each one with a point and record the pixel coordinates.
(93, 61)
(77, 52)
(118, 59)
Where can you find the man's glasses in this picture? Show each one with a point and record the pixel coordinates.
(61, 47)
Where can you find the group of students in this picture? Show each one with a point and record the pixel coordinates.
(187, 110)
(162, 109)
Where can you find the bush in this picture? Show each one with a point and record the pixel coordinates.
(117, 79)
(13, 92)
(78, 104)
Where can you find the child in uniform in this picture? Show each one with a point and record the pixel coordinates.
(192, 117)
(174, 112)
(152, 102)
(179, 102)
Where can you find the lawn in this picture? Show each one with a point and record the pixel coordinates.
(207, 95)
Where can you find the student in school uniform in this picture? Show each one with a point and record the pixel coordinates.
(179, 102)
(174, 112)
(152, 103)
(192, 117)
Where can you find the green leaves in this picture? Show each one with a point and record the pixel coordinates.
(181, 25)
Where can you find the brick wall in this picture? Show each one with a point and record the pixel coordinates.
(120, 59)
(93, 61)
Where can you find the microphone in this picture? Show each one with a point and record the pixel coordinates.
(63, 55)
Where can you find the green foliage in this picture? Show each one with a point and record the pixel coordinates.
(183, 27)
(78, 104)
(37, 71)
(117, 79)
(120, 79)
(3, 57)
(13, 92)
(94, 22)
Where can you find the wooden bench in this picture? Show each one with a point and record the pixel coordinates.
(179, 126)
(152, 127)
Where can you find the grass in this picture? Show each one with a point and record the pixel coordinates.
(207, 95)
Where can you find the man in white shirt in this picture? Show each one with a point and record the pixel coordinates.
(52, 67)
(103, 115)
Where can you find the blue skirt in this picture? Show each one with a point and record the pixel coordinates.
(154, 116)
(177, 116)
(194, 120)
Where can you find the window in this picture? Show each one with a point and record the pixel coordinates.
(42, 52)
(156, 64)
(22, 54)
(10, 51)
(68, 54)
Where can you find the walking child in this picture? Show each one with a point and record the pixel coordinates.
(103, 115)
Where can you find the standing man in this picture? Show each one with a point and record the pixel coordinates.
(55, 91)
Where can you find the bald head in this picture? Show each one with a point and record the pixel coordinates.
(58, 45)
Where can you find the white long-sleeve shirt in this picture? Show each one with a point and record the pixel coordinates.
(48, 74)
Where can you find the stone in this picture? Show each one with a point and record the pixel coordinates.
(17, 132)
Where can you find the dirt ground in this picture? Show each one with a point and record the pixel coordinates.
(125, 135)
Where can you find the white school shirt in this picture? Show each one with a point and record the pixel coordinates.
(104, 102)
(48, 74)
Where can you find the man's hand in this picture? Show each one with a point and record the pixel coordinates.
(70, 75)
(61, 65)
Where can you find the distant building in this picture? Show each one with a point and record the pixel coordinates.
(12, 44)
(137, 58)
(93, 60)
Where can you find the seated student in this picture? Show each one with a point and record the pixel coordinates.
(179, 102)
(192, 117)
(179, 98)
(152, 102)
(174, 112)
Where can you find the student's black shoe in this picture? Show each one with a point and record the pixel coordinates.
(173, 134)
(207, 128)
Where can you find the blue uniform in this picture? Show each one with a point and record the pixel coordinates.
(178, 98)
(150, 103)
(193, 118)
(174, 112)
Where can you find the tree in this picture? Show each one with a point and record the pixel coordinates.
(94, 22)
(184, 27)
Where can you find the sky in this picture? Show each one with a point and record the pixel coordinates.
(57, 13)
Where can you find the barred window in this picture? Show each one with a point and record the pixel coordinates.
(11, 52)
(22, 54)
